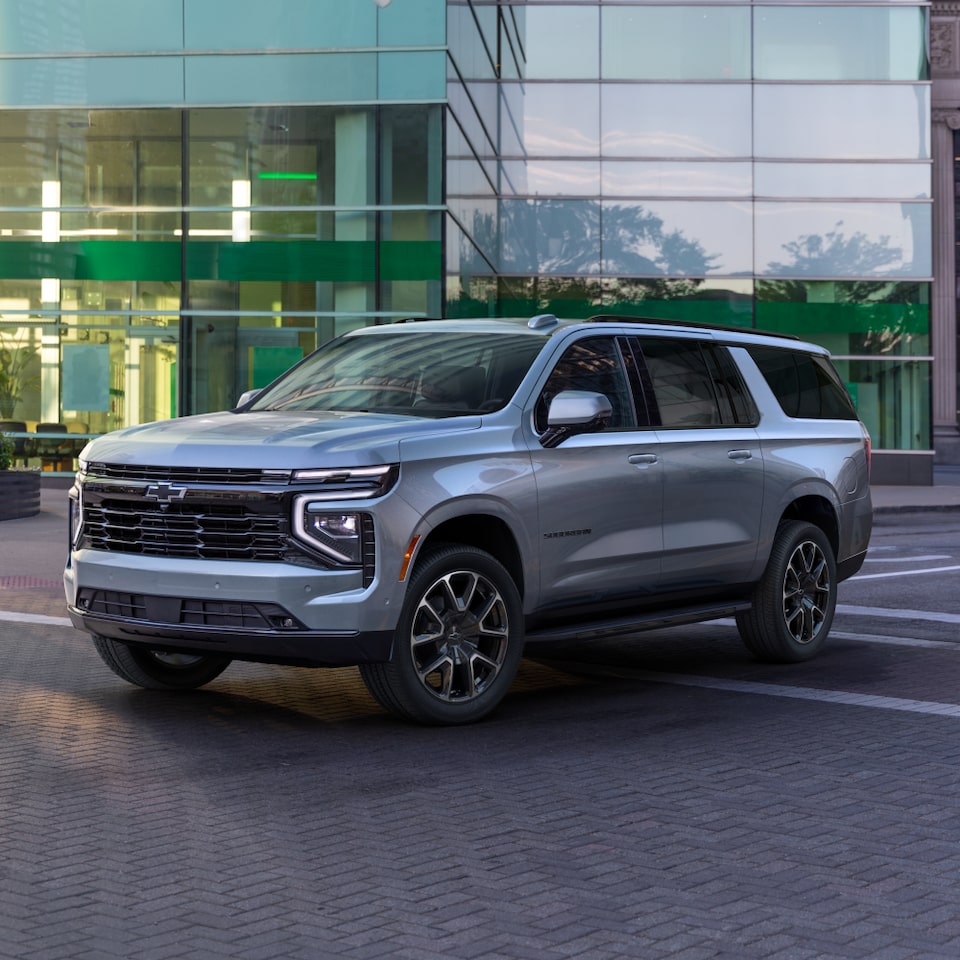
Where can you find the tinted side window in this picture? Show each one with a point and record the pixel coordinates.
(682, 384)
(736, 404)
(592, 364)
(805, 385)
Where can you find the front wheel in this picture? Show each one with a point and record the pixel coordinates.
(458, 642)
(794, 602)
(158, 669)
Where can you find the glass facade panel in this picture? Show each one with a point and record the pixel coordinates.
(878, 181)
(290, 24)
(623, 178)
(893, 400)
(299, 223)
(840, 43)
(676, 238)
(560, 42)
(95, 81)
(86, 26)
(821, 240)
(840, 122)
(879, 318)
(550, 177)
(401, 76)
(727, 302)
(405, 24)
(550, 236)
(260, 78)
(715, 43)
(676, 120)
(550, 120)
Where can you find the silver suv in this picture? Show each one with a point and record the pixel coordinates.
(425, 498)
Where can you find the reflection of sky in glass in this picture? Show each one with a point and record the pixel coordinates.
(650, 179)
(715, 43)
(676, 120)
(867, 180)
(561, 42)
(551, 178)
(839, 43)
(843, 239)
(847, 121)
(553, 119)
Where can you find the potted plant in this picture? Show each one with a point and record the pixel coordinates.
(17, 374)
(19, 489)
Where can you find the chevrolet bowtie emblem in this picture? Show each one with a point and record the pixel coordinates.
(165, 491)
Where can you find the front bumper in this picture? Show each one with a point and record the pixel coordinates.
(274, 613)
(308, 648)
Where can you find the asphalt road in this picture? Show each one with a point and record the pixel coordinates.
(664, 796)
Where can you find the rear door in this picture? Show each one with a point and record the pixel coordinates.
(711, 462)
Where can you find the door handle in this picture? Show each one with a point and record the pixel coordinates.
(739, 455)
(642, 459)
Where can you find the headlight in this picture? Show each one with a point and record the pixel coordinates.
(339, 535)
(76, 515)
(349, 483)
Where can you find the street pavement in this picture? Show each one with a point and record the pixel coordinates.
(279, 814)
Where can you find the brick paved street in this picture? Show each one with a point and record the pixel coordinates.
(279, 813)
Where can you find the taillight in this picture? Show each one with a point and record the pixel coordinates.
(866, 440)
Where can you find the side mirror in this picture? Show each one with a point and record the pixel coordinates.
(246, 397)
(575, 411)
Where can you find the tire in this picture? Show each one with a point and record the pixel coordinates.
(458, 642)
(794, 602)
(158, 669)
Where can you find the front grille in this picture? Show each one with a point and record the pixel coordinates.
(203, 531)
(205, 524)
(223, 614)
(219, 475)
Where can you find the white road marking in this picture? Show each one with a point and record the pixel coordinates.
(800, 693)
(902, 573)
(925, 559)
(933, 615)
(35, 618)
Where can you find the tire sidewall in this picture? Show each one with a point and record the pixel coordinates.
(433, 565)
(791, 537)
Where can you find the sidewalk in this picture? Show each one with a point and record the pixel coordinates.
(943, 495)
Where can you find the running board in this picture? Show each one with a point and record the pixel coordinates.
(591, 630)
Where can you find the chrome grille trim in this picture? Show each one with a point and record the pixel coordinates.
(220, 475)
(203, 531)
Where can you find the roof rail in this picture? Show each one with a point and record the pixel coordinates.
(615, 318)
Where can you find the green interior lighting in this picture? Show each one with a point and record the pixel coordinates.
(283, 175)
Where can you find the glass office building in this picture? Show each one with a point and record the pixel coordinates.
(194, 194)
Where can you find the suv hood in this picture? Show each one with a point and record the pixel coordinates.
(269, 440)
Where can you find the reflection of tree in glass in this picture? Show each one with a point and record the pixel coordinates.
(837, 255)
(635, 242)
(564, 236)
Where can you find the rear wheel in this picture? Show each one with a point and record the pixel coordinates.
(794, 602)
(158, 669)
(458, 642)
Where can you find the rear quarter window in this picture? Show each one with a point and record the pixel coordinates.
(805, 385)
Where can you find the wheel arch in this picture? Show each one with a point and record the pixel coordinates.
(485, 531)
(820, 512)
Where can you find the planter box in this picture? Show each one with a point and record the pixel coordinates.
(19, 494)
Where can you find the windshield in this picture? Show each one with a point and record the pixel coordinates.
(430, 374)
